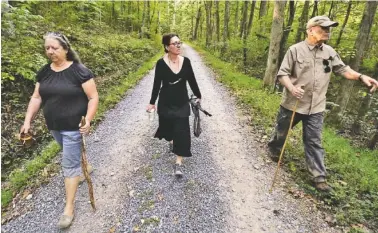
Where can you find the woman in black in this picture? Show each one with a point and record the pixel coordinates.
(66, 90)
(172, 72)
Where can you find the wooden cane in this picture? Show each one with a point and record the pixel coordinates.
(283, 147)
(84, 166)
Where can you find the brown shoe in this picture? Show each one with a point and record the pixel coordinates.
(82, 177)
(323, 187)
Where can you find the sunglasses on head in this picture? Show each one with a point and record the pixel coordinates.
(59, 35)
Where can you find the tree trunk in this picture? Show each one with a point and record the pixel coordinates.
(208, 6)
(128, 8)
(262, 12)
(157, 30)
(363, 109)
(275, 39)
(365, 105)
(301, 32)
(359, 46)
(148, 15)
(192, 23)
(174, 14)
(245, 33)
(236, 18)
(287, 31)
(143, 20)
(330, 10)
(315, 9)
(344, 23)
(374, 140)
(323, 10)
(263, 7)
(243, 21)
(113, 19)
(226, 30)
(251, 14)
(217, 20)
(156, 4)
(226, 33)
(138, 11)
(197, 23)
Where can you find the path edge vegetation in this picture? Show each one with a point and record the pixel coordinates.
(23, 177)
(351, 171)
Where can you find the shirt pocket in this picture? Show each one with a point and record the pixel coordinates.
(303, 63)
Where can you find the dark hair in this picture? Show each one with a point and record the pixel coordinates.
(167, 39)
(65, 43)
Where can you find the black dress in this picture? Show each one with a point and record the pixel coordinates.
(173, 105)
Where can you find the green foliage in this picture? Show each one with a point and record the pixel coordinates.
(6, 197)
(113, 52)
(21, 50)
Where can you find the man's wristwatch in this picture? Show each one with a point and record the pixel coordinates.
(360, 77)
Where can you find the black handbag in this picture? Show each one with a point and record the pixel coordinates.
(196, 107)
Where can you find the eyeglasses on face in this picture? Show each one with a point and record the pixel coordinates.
(327, 69)
(177, 44)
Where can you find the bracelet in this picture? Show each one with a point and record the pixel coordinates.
(359, 77)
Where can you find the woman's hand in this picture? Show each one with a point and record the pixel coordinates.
(85, 128)
(198, 100)
(25, 128)
(150, 107)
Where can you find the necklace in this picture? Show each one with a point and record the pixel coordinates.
(174, 62)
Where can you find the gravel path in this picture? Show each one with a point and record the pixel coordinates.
(225, 187)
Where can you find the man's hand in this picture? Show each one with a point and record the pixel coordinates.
(297, 91)
(369, 82)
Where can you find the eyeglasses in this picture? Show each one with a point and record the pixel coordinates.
(177, 44)
(327, 69)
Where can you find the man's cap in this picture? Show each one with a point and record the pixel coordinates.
(322, 21)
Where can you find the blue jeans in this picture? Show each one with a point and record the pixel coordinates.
(312, 139)
(70, 141)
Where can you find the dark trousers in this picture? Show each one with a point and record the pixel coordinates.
(312, 139)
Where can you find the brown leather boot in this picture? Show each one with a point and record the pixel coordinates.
(323, 187)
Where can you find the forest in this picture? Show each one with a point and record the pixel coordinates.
(115, 38)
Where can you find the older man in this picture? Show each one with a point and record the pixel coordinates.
(305, 73)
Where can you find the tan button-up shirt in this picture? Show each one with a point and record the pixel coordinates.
(307, 65)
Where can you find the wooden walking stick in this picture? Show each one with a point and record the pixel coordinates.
(84, 166)
(283, 147)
